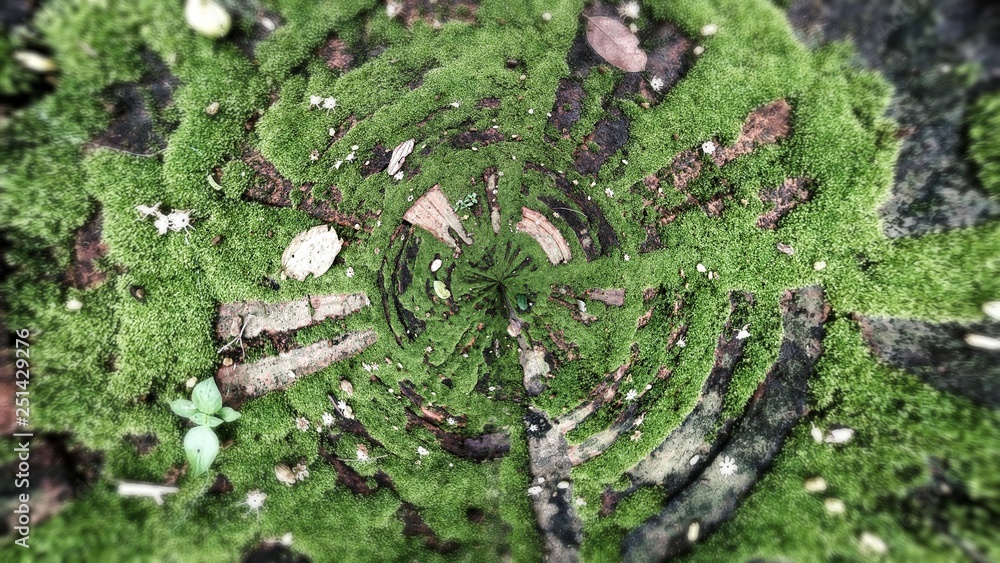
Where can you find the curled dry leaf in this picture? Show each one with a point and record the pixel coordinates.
(613, 41)
(311, 252)
(399, 155)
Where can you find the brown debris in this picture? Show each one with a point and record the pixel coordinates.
(785, 197)
(610, 135)
(490, 177)
(260, 317)
(378, 162)
(476, 138)
(535, 225)
(275, 189)
(610, 297)
(764, 126)
(434, 213)
(275, 373)
(89, 248)
(685, 167)
(414, 525)
(440, 11)
(478, 448)
(336, 55)
(569, 103)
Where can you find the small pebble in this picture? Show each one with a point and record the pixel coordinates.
(436, 265)
(815, 484)
(873, 544)
(563, 484)
(709, 30)
(74, 305)
(547, 16)
(819, 265)
(693, 532)
(694, 460)
(698, 51)
(212, 109)
(834, 505)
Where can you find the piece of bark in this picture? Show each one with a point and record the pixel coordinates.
(285, 316)
(551, 489)
(535, 369)
(275, 373)
(434, 213)
(611, 297)
(490, 177)
(792, 192)
(535, 225)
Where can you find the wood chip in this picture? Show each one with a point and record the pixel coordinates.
(311, 252)
(434, 213)
(535, 225)
(399, 155)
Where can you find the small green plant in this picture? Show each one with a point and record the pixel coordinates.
(200, 443)
(467, 202)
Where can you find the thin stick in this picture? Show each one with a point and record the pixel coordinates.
(238, 337)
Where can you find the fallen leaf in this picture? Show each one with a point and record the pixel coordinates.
(441, 289)
(311, 252)
(613, 41)
(399, 155)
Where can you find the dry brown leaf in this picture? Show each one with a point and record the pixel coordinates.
(399, 155)
(613, 41)
(311, 252)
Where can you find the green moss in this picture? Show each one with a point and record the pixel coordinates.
(110, 370)
(984, 149)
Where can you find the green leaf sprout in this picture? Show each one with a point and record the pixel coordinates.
(200, 443)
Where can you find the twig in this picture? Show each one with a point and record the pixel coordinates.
(239, 337)
(134, 489)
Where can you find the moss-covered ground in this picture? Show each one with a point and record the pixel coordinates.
(110, 369)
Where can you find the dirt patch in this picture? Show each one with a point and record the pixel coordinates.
(88, 249)
(273, 553)
(274, 189)
(669, 55)
(938, 355)
(609, 136)
(336, 54)
(143, 443)
(59, 473)
(792, 192)
(414, 526)
(569, 102)
(476, 138)
(764, 126)
(377, 162)
(484, 447)
(587, 209)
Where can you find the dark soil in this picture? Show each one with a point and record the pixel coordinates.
(89, 248)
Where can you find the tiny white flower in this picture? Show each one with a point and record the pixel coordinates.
(329, 104)
(455, 104)
(532, 427)
(451, 421)
(327, 419)
(580, 501)
(636, 436)
(728, 466)
(346, 409)
(656, 83)
(743, 334)
(609, 192)
(534, 491)
(493, 388)
(337, 164)
(301, 472)
(422, 451)
(681, 343)
(392, 8)
(627, 258)
(302, 423)
(701, 268)
(148, 210)
(631, 395)
(398, 176)
(629, 10)
(179, 220)
(350, 157)
(162, 224)
(255, 500)
(315, 101)
(350, 272)
(708, 147)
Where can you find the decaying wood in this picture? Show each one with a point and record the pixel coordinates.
(785, 197)
(399, 155)
(156, 492)
(551, 489)
(611, 297)
(778, 404)
(259, 317)
(491, 196)
(434, 213)
(278, 372)
(535, 225)
(535, 368)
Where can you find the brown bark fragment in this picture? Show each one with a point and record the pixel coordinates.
(610, 297)
(273, 318)
(89, 248)
(535, 225)
(764, 126)
(434, 213)
(336, 55)
(275, 373)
